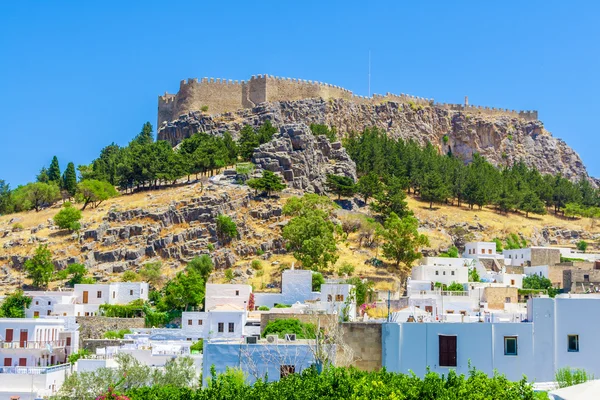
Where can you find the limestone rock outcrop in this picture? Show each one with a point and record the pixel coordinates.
(302, 159)
(502, 139)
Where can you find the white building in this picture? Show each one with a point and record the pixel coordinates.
(226, 321)
(31, 383)
(89, 297)
(480, 250)
(296, 287)
(565, 336)
(338, 298)
(227, 294)
(44, 302)
(445, 274)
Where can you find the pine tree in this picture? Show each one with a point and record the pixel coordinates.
(248, 142)
(54, 171)
(434, 188)
(69, 180)
(145, 136)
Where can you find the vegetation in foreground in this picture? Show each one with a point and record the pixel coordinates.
(333, 383)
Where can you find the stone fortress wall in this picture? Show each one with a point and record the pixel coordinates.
(222, 95)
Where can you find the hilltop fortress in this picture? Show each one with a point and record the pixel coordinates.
(221, 95)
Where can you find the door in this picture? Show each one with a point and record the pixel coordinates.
(447, 351)
(36, 314)
(9, 335)
(7, 361)
(85, 297)
(22, 362)
(23, 338)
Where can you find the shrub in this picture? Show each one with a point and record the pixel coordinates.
(263, 308)
(229, 275)
(317, 281)
(198, 346)
(445, 139)
(210, 247)
(282, 306)
(256, 264)
(566, 377)
(130, 276)
(120, 334)
(455, 287)
(282, 327)
(68, 218)
(17, 227)
(204, 108)
(260, 273)
(81, 353)
(260, 252)
(226, 228)
(346, 269)
(582, 246)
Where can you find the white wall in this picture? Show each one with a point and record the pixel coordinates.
(480, 250)
(446, 261)
(222, 294)
(126, 292)
(195, 325)
(518, 256)
(336, 296)
(24, 384)
(443, 274)
(238, 318)
(540, 270)
(296, 286)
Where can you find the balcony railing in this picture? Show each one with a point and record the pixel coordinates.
(34, 370)
(33, 345)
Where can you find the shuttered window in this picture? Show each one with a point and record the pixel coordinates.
(447, 351)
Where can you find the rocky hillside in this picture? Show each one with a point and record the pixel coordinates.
(501, 139)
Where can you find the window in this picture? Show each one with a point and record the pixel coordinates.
(339, 297)
(329, 298)
(48, 312)
(429, 309)
(507, 299)
(573, 343)
(469, 251)
(36, 314)
(444, 273)
(521, 255)
(114, 294)
(510, 345)
(231, 327)
(437, 272)
(286, 370)
(221, 327)
(189, 321)
(512, 282)
(463, 313)
(237, 292)
(489, 251)
(37, 303)
(510, 256)
(482, 251)
(49, 303)
(447, 351)
(131, 292)
(199, 322)
(99, 294)
(451, 272)
(586, 278)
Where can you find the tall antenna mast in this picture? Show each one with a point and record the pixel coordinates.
(369, 73)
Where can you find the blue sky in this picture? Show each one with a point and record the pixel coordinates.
(76, 76)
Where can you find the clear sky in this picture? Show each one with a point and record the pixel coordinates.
(76, 76)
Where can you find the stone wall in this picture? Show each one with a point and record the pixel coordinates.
(579, 281)
(365, 341)
(95, 327)
(92, 344)
(496, 296)
(544, 256)
(325, 319)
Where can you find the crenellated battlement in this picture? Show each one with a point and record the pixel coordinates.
(220, 95)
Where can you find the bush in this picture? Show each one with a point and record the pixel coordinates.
(263, 308)
(282, 306)
(282, 327)
(566, 377)
(120, 334)
(17, 227)
(256, 264)
(68, 218)
(228, 275)
(204, 108)
(317, 281)
(210, 247)
(198, 346)
(346, 269)
(130, 276)
(582, 246)
(260, 252)
(445, 139)
(455, 287)
(226, 228)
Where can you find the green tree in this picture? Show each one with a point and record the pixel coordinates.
(265, 132)
(247, 142)
(434, 189)
(340, 185)
(54, 171)
(40, 268)
(38, 194)
(68, 218)
(14, 305)
(231, 147)
(474, 275)
(499, 246)
(455, 287)
(321, 129)
(184, 291)
(77, 272)
(6, 198)
(538, 282)
(391, 200)
(364, 289)
(317, 281)
(310, 234)
(453, 252)
(531, 203)
(582, 246)
(226, 228)
(91, 191)
(402, 240)
(69, 180)
(146, 135)
(369, 185)
(151, 273)
(285, 326)
(269, 182)
(43, 176)
(130, 276)
(202, 265)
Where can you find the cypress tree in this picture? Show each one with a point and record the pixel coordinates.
(54, 171)
(69, 182)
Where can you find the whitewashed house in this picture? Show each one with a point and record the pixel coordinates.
(89, 297)
(479, 250)
(227, 294)
(296, 287)
(44, 302)
(442, 270)
(226, 321)
(338, 298)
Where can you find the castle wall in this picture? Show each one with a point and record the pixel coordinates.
(222, 95)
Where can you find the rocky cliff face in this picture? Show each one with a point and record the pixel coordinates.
(501, 139)
(303, 159)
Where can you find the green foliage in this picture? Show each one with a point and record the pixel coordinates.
(269, 182)
(77, 272)
(433, 188)
(499, 246)
(6, 198)
(317, 281)
(402, 241)
(204, 108)
(340, 185)
(81, 353)
(203, 265)
(321, 129)
(451, 253)
(68, 218)
(94, 192)
(256, 264)
(198, 346)
(445, 139)
(369, 185)
(69, 180)
(54, 171)
(539, 283)
(40, 268)
(245, 169)
(265, 132)
(282, 306)
(346, 269)
(210, 247)
(582, 245)
(455, 287)
(474, 275)
(131, 310)
(151, 273)
(226, 228)
(184, 291)
(567, 376)
(263, 308)
(363, 289)
(392, 199)
(251, 139)
(307, 204)
(35, 196)
(229, 275)
(14, 305)
(130, 276)
(513, 242)
(282, 327)
(120, 334)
